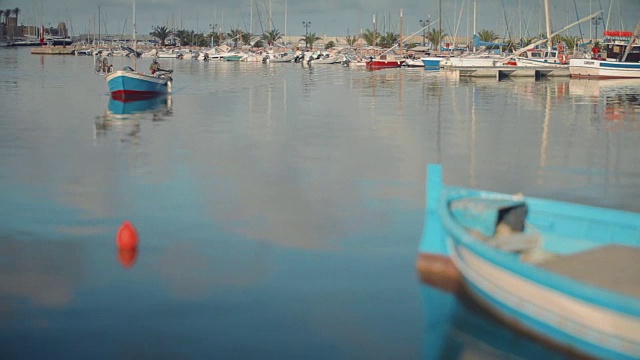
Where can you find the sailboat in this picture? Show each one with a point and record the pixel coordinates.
(128, 83)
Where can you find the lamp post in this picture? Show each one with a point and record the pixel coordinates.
(306, 25)
(596, 21)
(213, 32)
(424, 24)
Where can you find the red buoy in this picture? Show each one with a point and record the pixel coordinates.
(127, 237)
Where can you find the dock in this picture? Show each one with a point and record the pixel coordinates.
(53, 50)
(503, 72)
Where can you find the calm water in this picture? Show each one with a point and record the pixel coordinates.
(279, 207)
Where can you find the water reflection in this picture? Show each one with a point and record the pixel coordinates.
(615, 104)
(127, 257)
(469, 332)
(125, 114)
(44, 273)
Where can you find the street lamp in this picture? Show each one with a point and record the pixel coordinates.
(596, 21)
(424, 24)
(213, 32)
(306, 25)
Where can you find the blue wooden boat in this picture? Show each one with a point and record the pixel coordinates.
(130, 84)
(566, 273)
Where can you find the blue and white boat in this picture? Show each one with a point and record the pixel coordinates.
(128, 83)
(566, 273)
(431, 62)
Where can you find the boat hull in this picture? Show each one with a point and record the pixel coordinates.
(131, 84)
(585, 317)
(431, 62)
(592, 68)
(233, 57)
(472, 61)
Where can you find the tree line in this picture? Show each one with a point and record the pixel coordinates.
(370, 37)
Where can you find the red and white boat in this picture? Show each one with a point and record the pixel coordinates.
(384, 62)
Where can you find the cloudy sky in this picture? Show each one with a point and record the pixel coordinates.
(327, 17)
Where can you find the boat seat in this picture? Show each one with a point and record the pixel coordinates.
(516, 242)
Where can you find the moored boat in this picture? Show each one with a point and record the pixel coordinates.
(384, 62)
(431, 62)
(619, 60)
(567, 273)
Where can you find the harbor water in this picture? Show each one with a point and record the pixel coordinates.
(279, 207)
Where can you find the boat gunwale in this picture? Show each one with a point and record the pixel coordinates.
(571, 287)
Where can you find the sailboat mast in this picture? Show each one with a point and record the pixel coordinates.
(439, 25)
(475, 19)
(401, 23)
(548, 17)
(135, 43)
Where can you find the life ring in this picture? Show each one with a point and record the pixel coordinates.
(562, 58)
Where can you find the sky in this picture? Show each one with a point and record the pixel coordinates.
(327, 17)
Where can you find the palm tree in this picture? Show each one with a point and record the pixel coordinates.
(7, 13)
(310, 38)
(389, 39)
(1, 14)
(435, 36)
(351, 40)
(182, 36)
(487, 35)
(511, 45)
(570, 41)
(161, 33)
(235, 35)
(526, 41)
(271, 36)
(371, 37)
(246, 38)
(16, 11)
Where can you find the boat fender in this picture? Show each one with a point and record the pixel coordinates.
(563, 58)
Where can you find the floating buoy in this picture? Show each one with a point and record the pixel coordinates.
(127, 237)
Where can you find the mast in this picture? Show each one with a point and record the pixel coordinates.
(548, 17)
(636, 33)
(439, 25)
(374, 30)
(135, 43)
(400, 45)
(475, 20)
